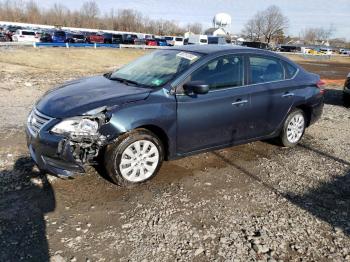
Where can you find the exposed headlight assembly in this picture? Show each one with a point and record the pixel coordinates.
(76, 127)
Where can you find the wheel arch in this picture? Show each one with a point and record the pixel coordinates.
(307, 111)
(161, 134)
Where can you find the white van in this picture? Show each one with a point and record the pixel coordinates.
(198, 40)
(174, 40)
(25, 36)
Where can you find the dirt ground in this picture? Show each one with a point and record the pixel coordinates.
(255, 202)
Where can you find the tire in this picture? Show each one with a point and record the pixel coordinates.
(346, 99)
(124, 167)
(290, 136)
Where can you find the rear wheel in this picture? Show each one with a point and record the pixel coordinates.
(346, 99)
(134, 158)
(293, 128)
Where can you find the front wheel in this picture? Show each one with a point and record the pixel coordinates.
(293, 128)
(134, 158)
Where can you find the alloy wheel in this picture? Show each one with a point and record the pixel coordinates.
(139, 161)
(295, 128)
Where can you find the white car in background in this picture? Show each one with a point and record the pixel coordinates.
(198, 40)
(174, 40)
(25, 36)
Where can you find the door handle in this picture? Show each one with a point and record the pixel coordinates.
(287, 94)
(240, 102)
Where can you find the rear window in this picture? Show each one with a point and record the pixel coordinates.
(203, 41)
(213, 40)
(168, 38)
(178, 39)
(28, 33)
(60, 33)
(265, 69)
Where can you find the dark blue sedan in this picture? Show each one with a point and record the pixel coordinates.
(169, 104)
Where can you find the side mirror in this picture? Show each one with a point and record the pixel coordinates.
(196, 87)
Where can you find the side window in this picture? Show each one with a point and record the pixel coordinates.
(290, 70)
(265, 69)
(223, 72)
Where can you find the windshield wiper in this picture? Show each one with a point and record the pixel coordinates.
(125, 81)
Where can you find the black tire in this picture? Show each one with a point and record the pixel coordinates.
(113, 154)
(283, 138)
(346, 99)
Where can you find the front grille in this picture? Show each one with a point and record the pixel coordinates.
(36, 121)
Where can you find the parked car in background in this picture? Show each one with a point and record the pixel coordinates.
(216, 40)
(129, 39)
(59, 36)
(346, 91)
(3, 37)
(161, 42)
(174, 40)
(93, 38)
(24, 36)
(169, 104)
(75, 38)
(151, 42)
(344, 51)
(198, 40)
(10, 30)
(46, 37)
(253, 44)
(112, 38)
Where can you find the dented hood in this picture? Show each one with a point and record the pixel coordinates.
(77, 97)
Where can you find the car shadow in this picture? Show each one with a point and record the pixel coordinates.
(334, 97)
(23, 205)
(330, 201)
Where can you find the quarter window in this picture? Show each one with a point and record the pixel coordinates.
(264, 69)
(290, 70)
(223, 72)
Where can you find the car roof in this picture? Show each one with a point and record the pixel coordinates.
(222, 49)
(211, 49)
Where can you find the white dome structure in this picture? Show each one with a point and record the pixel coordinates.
(222, 20)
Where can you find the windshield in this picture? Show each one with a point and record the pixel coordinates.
(157, 68)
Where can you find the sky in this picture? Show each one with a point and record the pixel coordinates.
(301, 13)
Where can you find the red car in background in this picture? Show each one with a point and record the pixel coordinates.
(151, 42)
(95, 38)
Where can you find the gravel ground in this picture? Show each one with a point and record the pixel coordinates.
(255, 202)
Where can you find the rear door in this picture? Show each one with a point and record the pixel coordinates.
(219, 117)
(271, 93)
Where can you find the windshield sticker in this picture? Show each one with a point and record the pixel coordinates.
(157, 82)
(187, 56)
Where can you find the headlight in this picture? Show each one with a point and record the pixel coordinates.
(76, 126)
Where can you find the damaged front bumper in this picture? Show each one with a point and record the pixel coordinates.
(63, 156)
(43, 149)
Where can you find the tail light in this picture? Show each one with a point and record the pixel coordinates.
(320, 84)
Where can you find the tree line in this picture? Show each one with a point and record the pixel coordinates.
(89, 15)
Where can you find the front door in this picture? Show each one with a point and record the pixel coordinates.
(219, 117)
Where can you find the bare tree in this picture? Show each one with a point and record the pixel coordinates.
(274, 23)
(33, 14)
(90, 11)
(266, 25)
(88, 16)
(195, 28)
(317, 35)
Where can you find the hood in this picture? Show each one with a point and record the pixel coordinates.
(77, 97)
